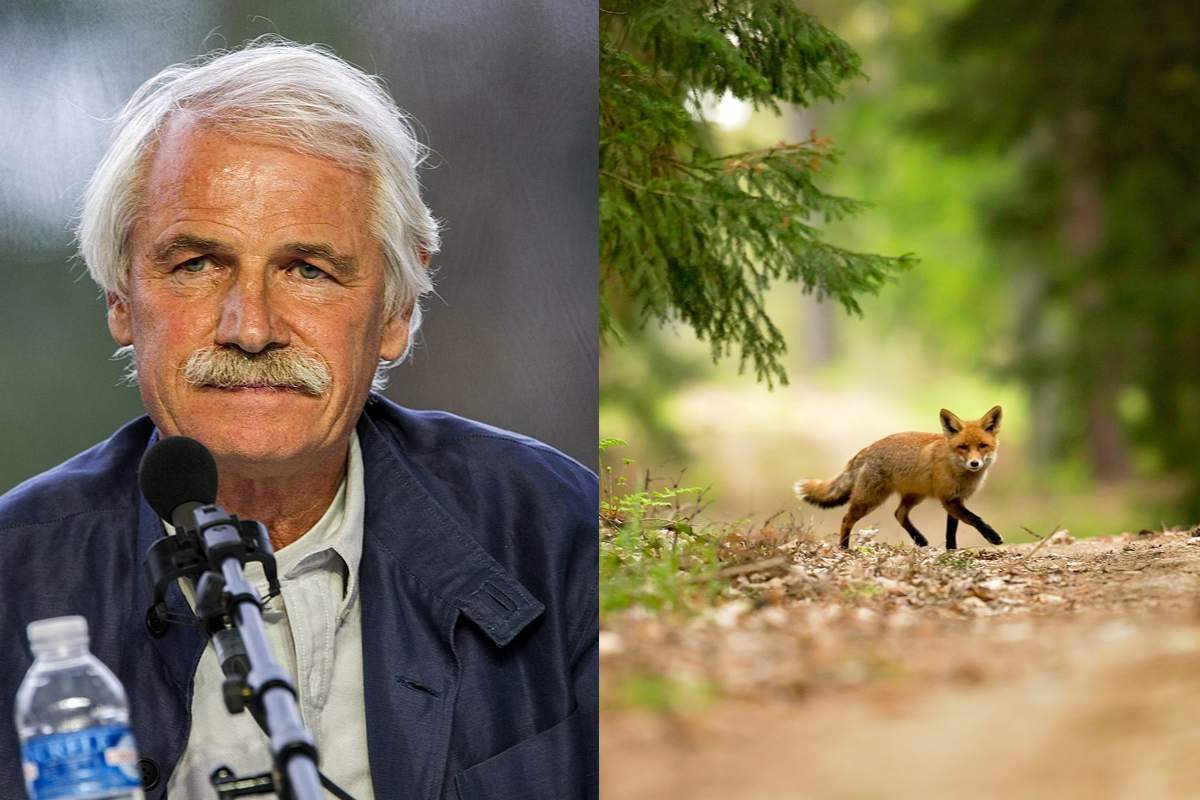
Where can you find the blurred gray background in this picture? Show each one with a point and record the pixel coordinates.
(506, 94)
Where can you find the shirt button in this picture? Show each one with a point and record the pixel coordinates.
(149, 769)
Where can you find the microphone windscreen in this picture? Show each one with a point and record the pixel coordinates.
(175, 471)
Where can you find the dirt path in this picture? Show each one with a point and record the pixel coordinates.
(1072, 671)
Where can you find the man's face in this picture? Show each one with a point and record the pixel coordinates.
(250, 248)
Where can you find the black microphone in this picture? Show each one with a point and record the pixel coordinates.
(176, 476)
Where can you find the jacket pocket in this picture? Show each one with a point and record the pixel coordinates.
(551, 765)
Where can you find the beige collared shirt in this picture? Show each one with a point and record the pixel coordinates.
(315, 632)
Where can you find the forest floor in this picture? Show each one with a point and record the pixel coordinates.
(1057, 669)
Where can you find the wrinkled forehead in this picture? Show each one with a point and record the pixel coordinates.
(199, 175)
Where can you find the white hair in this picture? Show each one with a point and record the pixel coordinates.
(299, 96)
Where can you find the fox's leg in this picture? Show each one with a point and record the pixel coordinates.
(870, 490)
(854, 513)
(951, 532)
(907, 502)
(956, 509)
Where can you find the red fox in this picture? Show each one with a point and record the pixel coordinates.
(950, 466)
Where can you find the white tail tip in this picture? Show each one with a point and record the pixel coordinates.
(798, 488)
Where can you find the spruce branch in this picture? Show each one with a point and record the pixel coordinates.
(697, 237)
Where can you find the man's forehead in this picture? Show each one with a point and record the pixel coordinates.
(197, 172)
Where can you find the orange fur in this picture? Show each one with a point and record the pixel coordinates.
(949, 466)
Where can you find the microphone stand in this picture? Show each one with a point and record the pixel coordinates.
(212, 545)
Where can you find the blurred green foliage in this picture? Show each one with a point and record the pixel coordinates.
(53, 335)
(1097, 106)
(660, 693)
(691, 234)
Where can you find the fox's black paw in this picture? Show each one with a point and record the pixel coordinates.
(992, 537)
(920, 541)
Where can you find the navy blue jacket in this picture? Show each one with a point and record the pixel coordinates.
(479, 606)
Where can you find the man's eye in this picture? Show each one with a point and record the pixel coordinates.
(308, 271)
(195, 264)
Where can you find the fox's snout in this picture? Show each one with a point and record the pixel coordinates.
(974, 462)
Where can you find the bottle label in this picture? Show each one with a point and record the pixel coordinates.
(60, 766)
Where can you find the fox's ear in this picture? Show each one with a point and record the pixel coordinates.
(951, 424)
(991, 420)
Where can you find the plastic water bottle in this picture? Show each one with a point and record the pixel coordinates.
(73, 720)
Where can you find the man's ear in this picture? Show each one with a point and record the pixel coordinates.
(396, 329)
(951, 424)
(120, 325)
(395, 335)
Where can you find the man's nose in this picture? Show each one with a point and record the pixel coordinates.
(247, 318)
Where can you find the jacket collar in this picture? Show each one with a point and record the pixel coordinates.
(405, 521)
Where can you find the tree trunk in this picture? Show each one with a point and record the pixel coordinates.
(1082, 232)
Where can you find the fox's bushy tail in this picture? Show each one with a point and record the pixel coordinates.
(830, 493)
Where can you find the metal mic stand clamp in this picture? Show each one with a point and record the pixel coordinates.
(183, 556)
(213, 545)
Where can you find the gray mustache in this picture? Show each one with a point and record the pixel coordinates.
(286, 367)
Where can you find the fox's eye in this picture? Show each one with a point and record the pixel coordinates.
(983, 447)
(964, 447)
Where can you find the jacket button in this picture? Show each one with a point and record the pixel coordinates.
(149, 768)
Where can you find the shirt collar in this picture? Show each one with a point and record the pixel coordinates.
(338, 533)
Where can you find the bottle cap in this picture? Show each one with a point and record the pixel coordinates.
(57, 632)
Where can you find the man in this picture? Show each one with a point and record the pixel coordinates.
(258, 230)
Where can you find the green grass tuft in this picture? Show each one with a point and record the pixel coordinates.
(651, 553)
